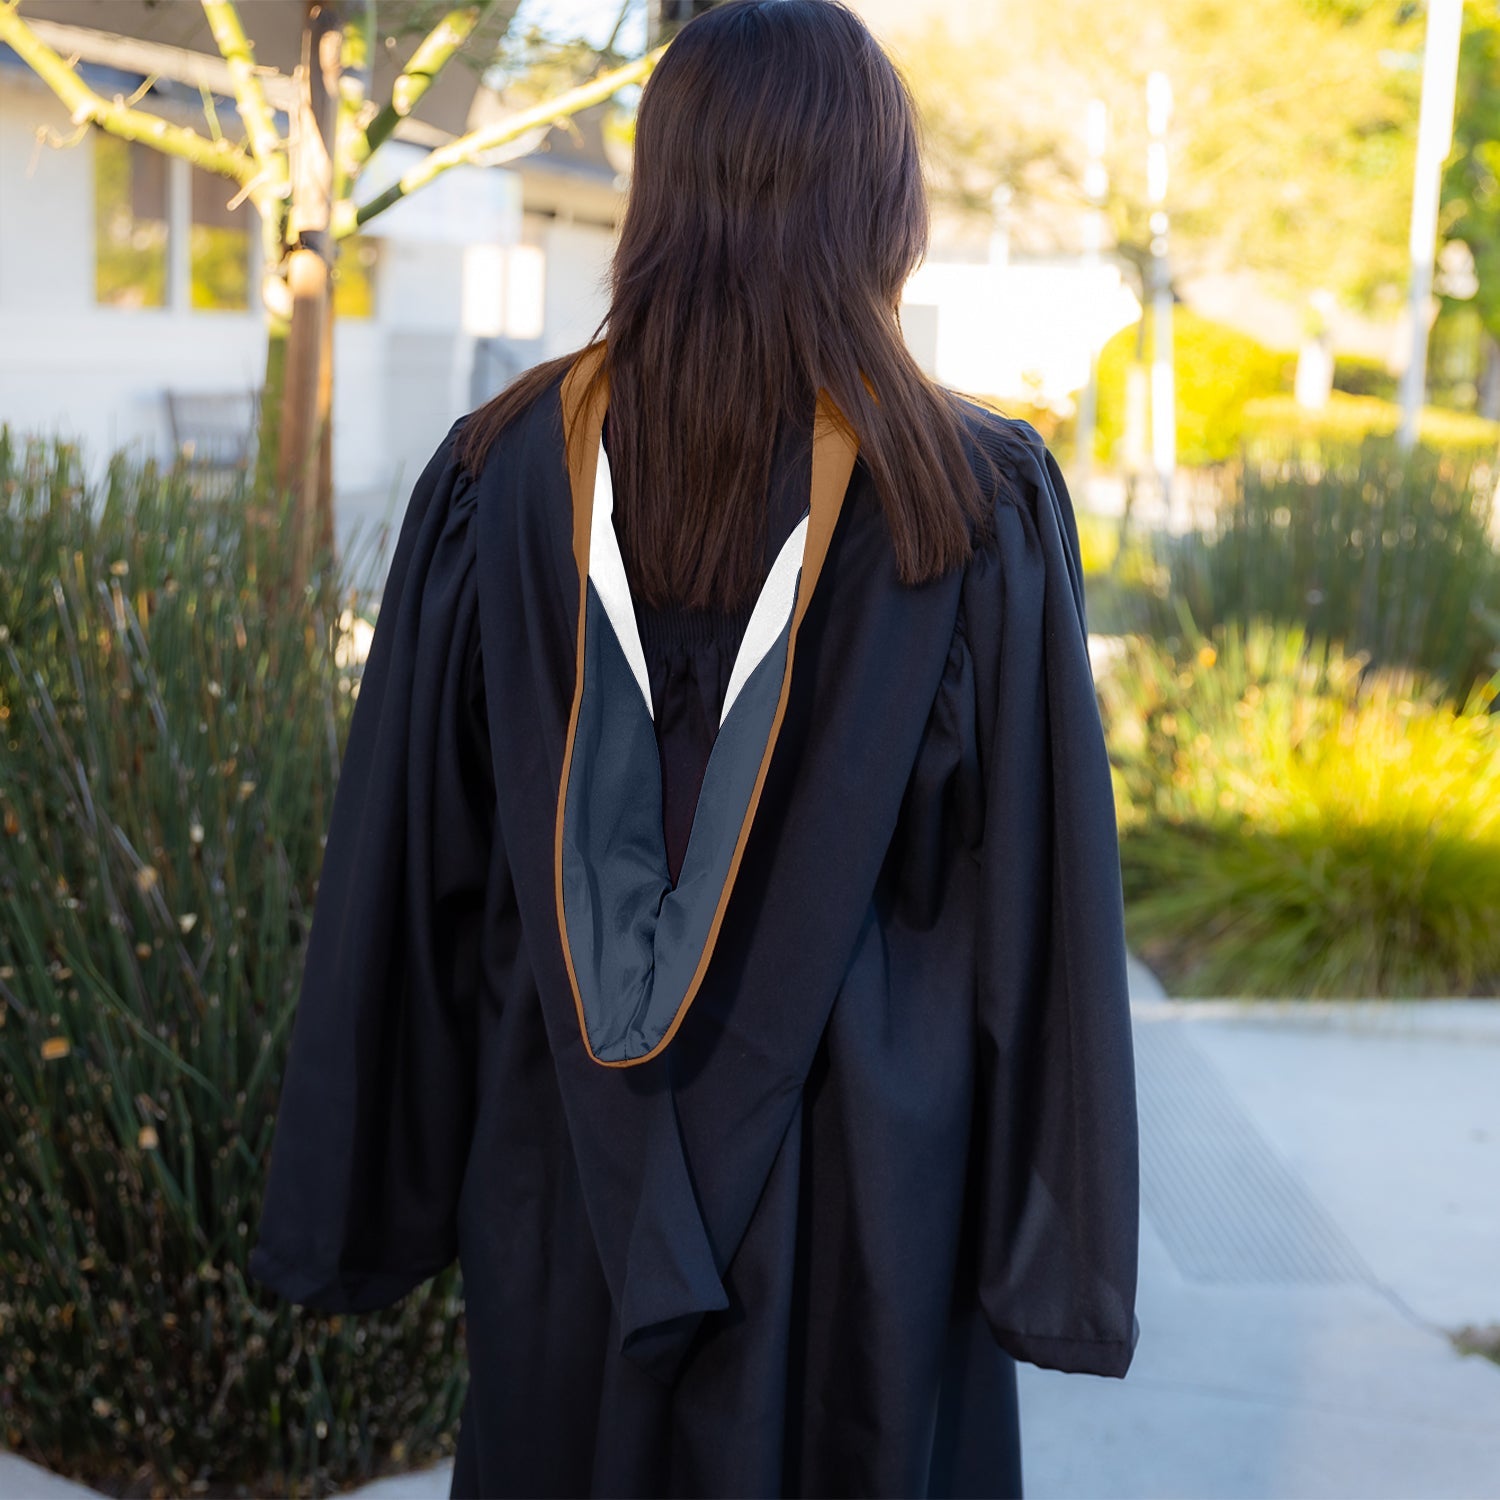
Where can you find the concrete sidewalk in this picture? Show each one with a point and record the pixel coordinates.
(1320, 1206)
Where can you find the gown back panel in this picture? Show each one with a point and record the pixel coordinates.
(892, 1147)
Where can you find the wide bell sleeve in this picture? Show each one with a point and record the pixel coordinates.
(378, 1095)
(1056, 1163)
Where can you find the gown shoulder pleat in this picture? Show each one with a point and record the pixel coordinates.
(377, 1097)
(1058, 1174)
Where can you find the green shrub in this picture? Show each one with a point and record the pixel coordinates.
(1455, 357)
(1295, 824)
(1388, 552)
(1098, 541)
(1216, 369)
(1359, 375)
(168, 752)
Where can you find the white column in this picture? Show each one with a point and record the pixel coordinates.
(179, 230)
(1434, 139)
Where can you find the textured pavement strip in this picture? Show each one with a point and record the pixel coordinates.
(1320, 1189)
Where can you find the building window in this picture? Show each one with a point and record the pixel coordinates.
(354, 277)
(164, 234)
(130, 223)
(219, 244)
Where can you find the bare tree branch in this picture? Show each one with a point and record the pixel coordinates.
(250, 97)
(620, 20)
(355, 71)
(433, 54)
(118, 118)
(467, 147)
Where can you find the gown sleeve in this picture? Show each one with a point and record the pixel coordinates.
(1058, 1187)
(378, 1094)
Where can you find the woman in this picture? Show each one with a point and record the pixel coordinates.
(719, 947)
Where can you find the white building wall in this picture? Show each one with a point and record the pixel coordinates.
(97, 374)
(46, 207)
(1021, 331)
(577, 288)
(68, 366)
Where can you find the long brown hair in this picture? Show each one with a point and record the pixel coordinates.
(776, 208)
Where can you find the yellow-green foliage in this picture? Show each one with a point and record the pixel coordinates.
(1360, 375)
(1347, 419)
(1098, 541)
(1217, 371)
(1124, 591)
(1294, 825)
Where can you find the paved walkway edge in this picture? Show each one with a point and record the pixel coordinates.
(1476, 1020)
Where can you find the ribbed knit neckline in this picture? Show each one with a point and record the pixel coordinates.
(681, 627)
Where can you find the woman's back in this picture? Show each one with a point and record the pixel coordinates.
(891, 1146)
(738, 995)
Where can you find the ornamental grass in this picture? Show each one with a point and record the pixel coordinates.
(1296, 823)
(171, 725)
(1394, 554)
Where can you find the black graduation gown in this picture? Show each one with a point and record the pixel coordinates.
(760, 1179)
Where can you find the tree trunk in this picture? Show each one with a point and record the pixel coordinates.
(298, 465)
(302, 467)
(323, 536)
(268, 435)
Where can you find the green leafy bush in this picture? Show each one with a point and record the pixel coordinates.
(1296, 824)
(169, 746)
(1098, 542)
(1359, 375)
(1217, 371)
(1388, 552)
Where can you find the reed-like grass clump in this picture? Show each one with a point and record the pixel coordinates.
(170, 733)
(1391, 553)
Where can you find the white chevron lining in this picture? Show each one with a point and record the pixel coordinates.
(607, 571)
(777, 596)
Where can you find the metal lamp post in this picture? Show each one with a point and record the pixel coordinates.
(1163, 394)
(1434, 140)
